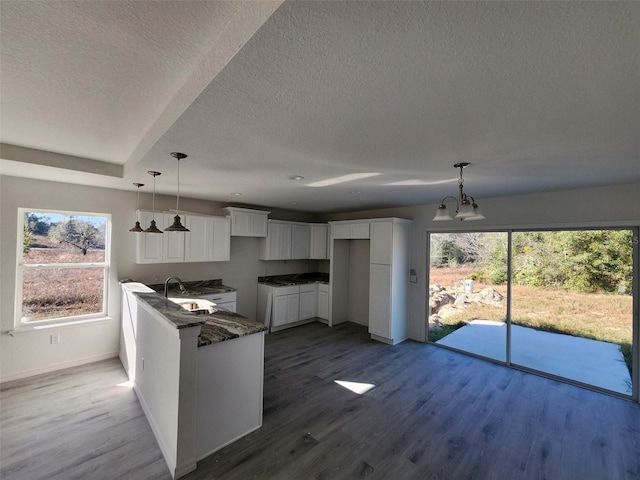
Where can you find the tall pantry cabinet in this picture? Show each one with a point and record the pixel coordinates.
(388, 279)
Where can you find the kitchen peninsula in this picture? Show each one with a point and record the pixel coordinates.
(199, 377)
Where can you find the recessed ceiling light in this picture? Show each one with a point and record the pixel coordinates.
(293, 203)
(295, 178)
(355, 192)
(236, 194)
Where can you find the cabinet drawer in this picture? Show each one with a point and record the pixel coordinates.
(227, 297)
(308, 287)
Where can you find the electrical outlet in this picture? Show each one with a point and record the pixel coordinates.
(54, 339)
(142, 364)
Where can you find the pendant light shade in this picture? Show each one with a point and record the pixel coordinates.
(442, 214)
(152, 227)
(177, 226)
(137, 228)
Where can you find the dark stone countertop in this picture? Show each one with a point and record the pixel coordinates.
(219, 326)
(197, 287)
(294, 279)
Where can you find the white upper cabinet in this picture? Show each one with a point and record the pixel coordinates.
(199, 240)
(285, 241)
(173, 242)
(207, 239)
(221, 251)
(300, 240)
(149, 246)
(318, 246)
(349, 230)
(248, 223)
(381, 249)
(277, 244)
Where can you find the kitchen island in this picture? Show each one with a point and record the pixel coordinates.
(199, 378)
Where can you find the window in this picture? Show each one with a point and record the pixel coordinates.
(62, 266)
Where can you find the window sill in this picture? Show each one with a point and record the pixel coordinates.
(28, 329)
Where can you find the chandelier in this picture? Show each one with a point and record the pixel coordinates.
(466, 206)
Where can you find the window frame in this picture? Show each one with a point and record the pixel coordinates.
(22, 323)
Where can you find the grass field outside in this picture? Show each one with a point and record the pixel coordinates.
(61, 292)
(600, 316)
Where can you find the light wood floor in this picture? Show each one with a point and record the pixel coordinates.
(432, 415)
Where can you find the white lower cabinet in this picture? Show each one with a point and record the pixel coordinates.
(308, 301)
(286, 307)
(323, 301)
(291, 305)
(225, 300)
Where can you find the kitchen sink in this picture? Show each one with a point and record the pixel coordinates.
(195, 305)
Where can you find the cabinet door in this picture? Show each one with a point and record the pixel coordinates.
(360, 230)
(258, 226)
(318, 242)
(149, 245)
(341, 231)
(323, 305)
(308, 303)
(278, 241)
(380, 300)
(199, 240)
(241, 224)
(221, 249)
(300, 241)
(279, 314)
(381, 242)
(231, 306)
(293, 308)
(173, 242)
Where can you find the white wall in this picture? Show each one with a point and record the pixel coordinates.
(32, 353)
(603, 206)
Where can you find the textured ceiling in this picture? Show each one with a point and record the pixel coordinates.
(538, 96)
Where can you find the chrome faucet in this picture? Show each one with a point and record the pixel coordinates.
(166, 285)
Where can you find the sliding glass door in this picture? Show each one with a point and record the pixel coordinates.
(570, 311)
(572, 305)
(467, 292)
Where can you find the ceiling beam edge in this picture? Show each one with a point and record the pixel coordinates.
(249, 17)
(59, 160)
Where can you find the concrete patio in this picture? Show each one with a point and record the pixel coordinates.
(588, 361)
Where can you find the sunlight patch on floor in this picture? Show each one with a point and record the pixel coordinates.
(356, 387)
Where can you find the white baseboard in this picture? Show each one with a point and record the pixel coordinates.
(58, 366)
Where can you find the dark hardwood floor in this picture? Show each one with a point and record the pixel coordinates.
(432, 415)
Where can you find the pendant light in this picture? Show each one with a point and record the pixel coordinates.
(177, 226)
(466, 206)
(152, 228)
(137, 228)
